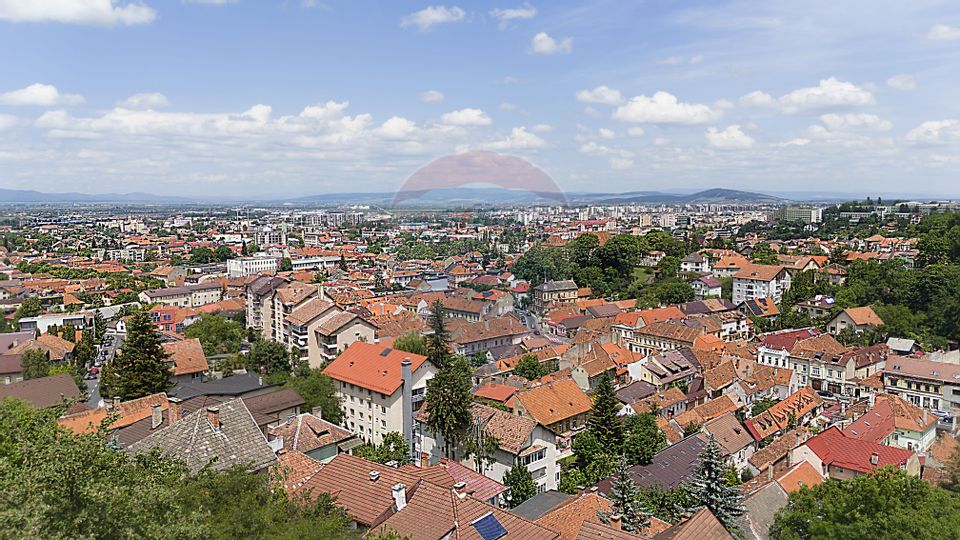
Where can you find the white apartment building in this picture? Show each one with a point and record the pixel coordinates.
(248, 266)
(372, 383)
(755, 281)
(186, 296)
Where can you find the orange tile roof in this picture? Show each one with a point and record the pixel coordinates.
(555, 401)
(128, 412)
(187, 356)
(372, 366)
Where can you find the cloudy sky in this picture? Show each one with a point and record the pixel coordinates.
(284, 97)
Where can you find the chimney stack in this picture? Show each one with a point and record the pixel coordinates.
(116, 402)
(615, 522)
(213, 415)
(874, 458)
(175, 411)
(406, 376)
(400, 496)
(156, 416)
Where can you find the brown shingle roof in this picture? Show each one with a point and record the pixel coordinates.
(43, 392)
(307, 432)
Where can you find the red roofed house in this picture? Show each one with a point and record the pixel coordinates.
(371, 382)
(839, 456)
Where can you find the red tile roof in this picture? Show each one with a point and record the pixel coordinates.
(372, 366)
(835, 448)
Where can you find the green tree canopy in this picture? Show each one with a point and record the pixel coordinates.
(411, 342)
(521, 484)
(448, 401)
(217, 334)
(318, 390)
(888, 504)
(529, 368)
(35, 363)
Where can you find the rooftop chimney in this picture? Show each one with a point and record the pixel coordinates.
(874, 458)
(175, 412)
(374, 476)
(213, 415)
(116, 402)
(615, 522)
(400, 496)
(156, 416)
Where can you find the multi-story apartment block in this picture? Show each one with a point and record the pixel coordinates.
(249, 266)
(381, 389)
(259, 302)
(185, 296)
(755, 281)
(287, 299)
(925, 383)
(319, 330)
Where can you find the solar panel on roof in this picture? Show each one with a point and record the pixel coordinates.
(488, 527)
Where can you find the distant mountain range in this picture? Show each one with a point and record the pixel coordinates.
(29, 196)
(453, 197)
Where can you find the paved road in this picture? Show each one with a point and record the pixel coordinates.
(93, 390)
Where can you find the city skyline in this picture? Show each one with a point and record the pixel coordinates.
(254, 99)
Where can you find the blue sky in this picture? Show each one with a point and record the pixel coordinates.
(260, 98)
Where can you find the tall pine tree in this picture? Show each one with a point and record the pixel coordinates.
(626, 495)
(708, 487)
(448, 402)
(604, 422)
(438, 343)
(140, 369)
(84, 354)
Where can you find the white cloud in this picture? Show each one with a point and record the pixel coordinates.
(210, 2)
(427, 18)
(466, 117)
(607, 134)
(677, 60)
(902, 82)
(542, 128)
(91, 12)
(670, 61)
(855, 122)
(397, 128)
(519, 139)
(635, 132)
(150, 100)
(831, 93)
(7, 121)
(39, 95)
(601, 94)
(757, 99)
(942, 32)
(542, 43)
(936, 132)
(664, 108)
(732, 138)
(507, 107)
(621, 164)
(723, 105)
(506, 15)
(431, 96)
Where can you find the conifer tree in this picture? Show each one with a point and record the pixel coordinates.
(438, 343)
(626, 495)
(521, 484)
(448, 401)
(84, 353)
(35, 363)
(604, 422)
(708, 487)
(140, 369)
